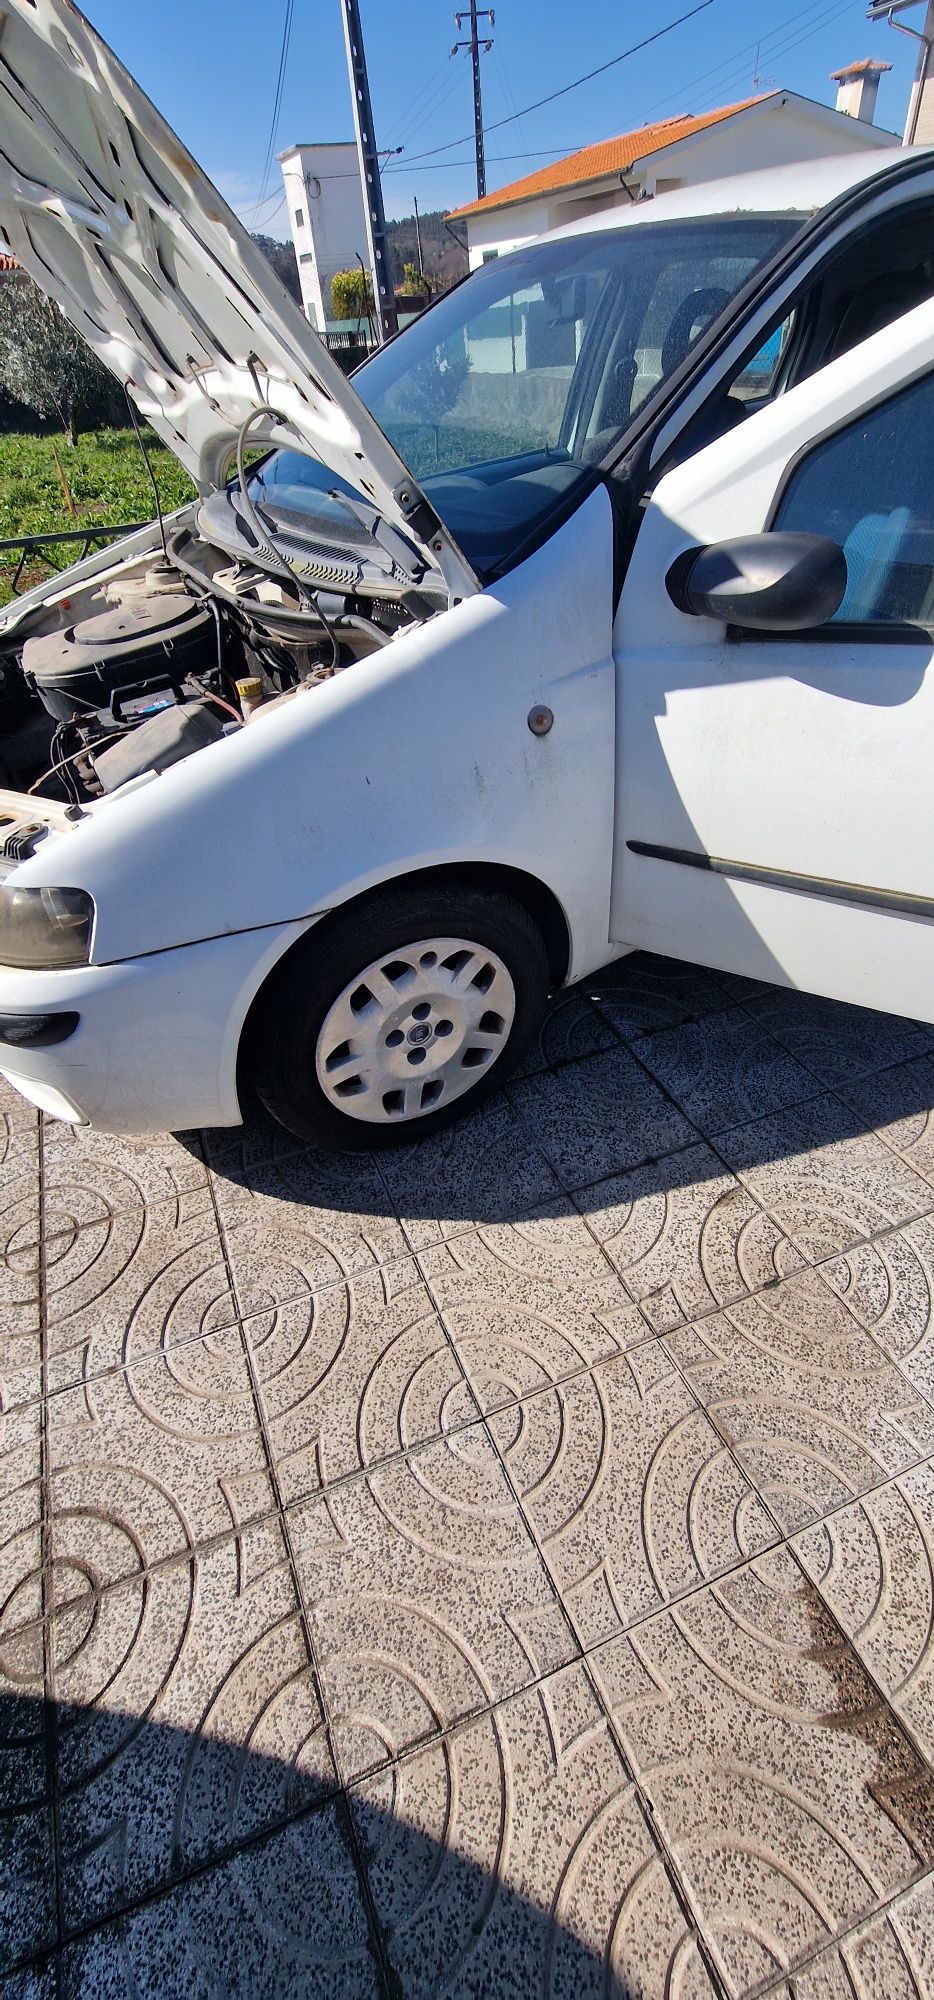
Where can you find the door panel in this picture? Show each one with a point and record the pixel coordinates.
(782, 758)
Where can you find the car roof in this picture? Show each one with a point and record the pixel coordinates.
(801, 188)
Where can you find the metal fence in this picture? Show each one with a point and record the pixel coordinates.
(89, 538)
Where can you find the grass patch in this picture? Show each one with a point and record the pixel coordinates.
(102, 478)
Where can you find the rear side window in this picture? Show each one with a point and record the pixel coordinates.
(870, 487)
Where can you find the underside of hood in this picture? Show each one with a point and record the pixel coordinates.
(112, 217)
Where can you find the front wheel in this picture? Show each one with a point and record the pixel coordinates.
(397, 1014)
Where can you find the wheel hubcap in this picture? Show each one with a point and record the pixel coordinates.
(415, 1030)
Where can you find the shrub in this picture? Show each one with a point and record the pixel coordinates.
(351, 294)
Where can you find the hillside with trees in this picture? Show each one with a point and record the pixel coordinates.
(444, 260)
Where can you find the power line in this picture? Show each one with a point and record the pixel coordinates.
(277, 106)
(449, 166)
(566, 87)
(441, 95)
(419, 94)
(771, 45)
(510, 98)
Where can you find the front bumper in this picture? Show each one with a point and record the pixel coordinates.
(155, 1045)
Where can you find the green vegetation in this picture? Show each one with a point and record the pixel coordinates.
(100, 479)
(351, 294)
(414, 283)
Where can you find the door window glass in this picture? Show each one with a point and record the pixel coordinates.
(870, 487)
(757, 380)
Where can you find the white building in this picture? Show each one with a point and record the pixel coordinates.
(772, 130)
(326, 218)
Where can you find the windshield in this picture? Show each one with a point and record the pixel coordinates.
(503, 397)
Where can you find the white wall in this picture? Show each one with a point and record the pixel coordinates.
(783, 129)
(322, 187)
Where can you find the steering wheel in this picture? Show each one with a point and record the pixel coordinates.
(693, 315)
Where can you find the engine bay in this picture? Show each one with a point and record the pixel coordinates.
(156, 657)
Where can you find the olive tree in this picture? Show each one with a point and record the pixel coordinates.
(45, 363)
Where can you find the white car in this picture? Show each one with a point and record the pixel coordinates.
(595, 613)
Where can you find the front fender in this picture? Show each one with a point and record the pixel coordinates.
(418, 756)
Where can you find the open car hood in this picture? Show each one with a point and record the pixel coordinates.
(106, 210)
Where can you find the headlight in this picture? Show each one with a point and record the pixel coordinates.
(43, 928)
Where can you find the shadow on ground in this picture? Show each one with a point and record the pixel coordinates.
(632, 1071)
(220, 1871)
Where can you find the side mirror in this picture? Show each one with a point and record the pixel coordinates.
(769, 583)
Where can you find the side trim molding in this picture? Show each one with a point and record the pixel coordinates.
(893, 900)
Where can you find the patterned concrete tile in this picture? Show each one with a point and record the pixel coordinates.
(889, 1958)
(352, 1375)
(14, 1108)
(515, 1338)
(151, 1461)
(27, 1859)
(572, 1028)
(600, 1116)
(512, 1858)
(873, 1564)
(725, 1070)
(89, 1175)
(628, 1489)
(38, 1981)
(900, 1107)
(187, 1721)
(788, 1794)
(685, 1236)
(835, 1042)
(20, 1521)
(19, 1157)
(336, 1205)
(889, 1286)
(486, 1169)
(280, 1266)
(232, 1150)
(138, 1283)
(314, 1482)
(426, 1598)
(19, 1279)
(282, 1919)
(806, 1399)
(642, 994)
(825, 1180)
(548, 1246)
(27, 1883)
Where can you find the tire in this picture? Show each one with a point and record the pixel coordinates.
(398, 1014)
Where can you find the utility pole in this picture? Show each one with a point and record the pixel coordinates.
(485, 14)
(418, 237)
(377, 241)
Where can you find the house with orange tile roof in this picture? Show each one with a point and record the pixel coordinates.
(773, 129)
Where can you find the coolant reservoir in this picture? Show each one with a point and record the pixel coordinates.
(249, 695)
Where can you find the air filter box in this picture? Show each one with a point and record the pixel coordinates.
(165, 739)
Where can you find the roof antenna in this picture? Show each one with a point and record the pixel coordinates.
(152, 477)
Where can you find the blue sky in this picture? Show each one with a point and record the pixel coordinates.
(211, 66)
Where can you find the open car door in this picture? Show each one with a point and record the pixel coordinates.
(774, 791)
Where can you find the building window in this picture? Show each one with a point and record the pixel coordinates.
(488, 256)
(306, 257)
(299, 218)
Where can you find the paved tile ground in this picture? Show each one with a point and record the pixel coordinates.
(504, 1567)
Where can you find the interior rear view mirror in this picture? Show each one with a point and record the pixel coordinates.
(769, 583)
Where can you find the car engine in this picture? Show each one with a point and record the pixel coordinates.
(160, 657)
